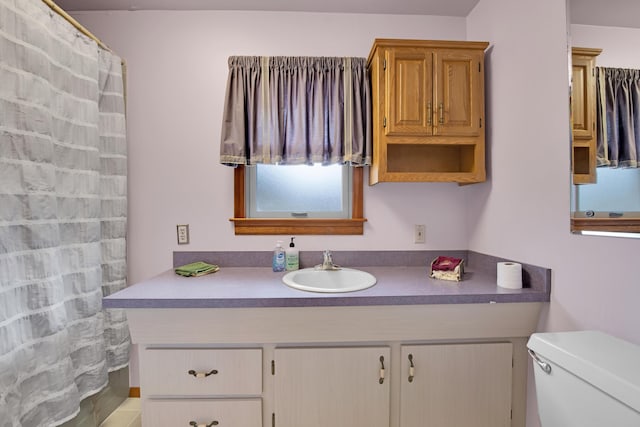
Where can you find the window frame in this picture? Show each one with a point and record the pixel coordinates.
(300, 226)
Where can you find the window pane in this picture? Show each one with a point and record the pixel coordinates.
(301, 189)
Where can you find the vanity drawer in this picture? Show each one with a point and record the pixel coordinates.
(229, 413)
(201, 372)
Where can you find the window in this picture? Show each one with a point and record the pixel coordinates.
(298, 191)
(260, 210)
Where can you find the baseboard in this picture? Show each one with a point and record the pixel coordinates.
(134, 392)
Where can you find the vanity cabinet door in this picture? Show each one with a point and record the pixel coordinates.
(338, 387)
(456, 385)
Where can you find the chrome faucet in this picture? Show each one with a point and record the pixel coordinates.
(327, 262)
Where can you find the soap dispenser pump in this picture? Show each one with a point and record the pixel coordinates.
(292, 257)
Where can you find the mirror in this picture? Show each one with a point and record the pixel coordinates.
(604, 198)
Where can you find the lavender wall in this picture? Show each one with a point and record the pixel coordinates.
(177, 72)
(523, 211)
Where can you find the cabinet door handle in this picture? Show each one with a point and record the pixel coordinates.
(411, 368)
(441, 113)
(202, 374)
(381, 380)
(195, 424)
(429, 114)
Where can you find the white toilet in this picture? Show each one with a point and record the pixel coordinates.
(586, 379)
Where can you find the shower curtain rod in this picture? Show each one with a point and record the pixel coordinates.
(75, 23)
(89, 34)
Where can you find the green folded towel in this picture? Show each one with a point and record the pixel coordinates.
(196, 269)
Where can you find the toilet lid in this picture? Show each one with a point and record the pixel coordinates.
(606, 362)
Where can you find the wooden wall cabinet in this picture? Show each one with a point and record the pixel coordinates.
(583, 115)
(428, 111)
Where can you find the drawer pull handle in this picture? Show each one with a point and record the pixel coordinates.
(202, 374)
(411, 368)
(441, 113)
(381, 380)
(195, 424)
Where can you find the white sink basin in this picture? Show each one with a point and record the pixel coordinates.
(343, 280)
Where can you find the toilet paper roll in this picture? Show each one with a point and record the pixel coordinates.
(510, 275)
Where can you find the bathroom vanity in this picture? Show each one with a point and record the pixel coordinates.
(240, 348)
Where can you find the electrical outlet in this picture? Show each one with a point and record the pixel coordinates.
(183, 234)
(418, 233)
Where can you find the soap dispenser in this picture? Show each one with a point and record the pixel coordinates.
(292, 257)
(278, 262)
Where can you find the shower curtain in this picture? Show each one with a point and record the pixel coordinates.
(62, 215)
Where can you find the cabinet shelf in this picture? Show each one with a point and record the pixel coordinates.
(432, 158)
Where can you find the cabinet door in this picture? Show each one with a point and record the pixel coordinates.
(338, 387)
(409, 74)
(459, 92)
(583, 97)
(456, 385)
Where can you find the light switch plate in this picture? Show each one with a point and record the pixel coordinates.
(183, 234)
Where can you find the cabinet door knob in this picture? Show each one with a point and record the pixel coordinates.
(195, 424)
(381, 380)
(202, 374)
(411, 368)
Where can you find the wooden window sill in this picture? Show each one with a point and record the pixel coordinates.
(254, 226)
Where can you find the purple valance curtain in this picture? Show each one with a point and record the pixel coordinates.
(296, 110)
(618, 117)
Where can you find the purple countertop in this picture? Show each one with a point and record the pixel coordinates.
(245, 286)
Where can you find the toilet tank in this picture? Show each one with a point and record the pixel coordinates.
(586, 379)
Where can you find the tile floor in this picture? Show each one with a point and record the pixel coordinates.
(127, 415)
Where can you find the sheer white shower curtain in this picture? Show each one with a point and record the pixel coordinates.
(62, 215)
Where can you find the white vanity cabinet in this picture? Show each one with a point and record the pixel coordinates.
(328, 386)
(456, 385)
(319, 366)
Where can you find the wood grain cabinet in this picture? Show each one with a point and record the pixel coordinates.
(583, 115)
(428, 111)
(456, 385)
